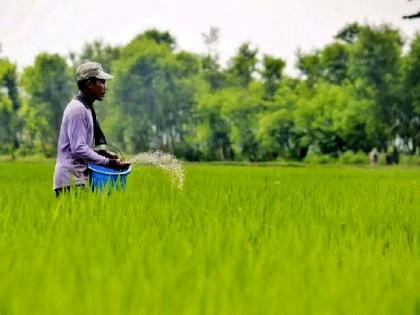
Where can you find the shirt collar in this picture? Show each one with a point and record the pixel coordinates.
(80, 97)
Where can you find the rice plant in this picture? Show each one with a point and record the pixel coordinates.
(234, 240)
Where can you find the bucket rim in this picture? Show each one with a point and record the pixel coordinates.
(117, 173)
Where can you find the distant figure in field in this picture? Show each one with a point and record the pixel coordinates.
(388, 159)
(374, 156)
(392, 157)
(395, 155)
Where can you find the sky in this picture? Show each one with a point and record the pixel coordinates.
(275, 27)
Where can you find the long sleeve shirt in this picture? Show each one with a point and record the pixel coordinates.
(75, 146)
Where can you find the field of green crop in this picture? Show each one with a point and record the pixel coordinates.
(235, 240)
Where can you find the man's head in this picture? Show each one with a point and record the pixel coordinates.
(91, 80)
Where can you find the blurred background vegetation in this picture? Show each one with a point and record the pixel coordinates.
(359, 92)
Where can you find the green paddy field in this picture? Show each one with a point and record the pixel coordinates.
(235, 240)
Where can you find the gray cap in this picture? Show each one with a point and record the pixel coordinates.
(91, 70)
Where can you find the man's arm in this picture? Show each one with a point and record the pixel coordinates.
(77, 133)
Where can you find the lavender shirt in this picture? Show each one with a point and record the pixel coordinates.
(75, 146)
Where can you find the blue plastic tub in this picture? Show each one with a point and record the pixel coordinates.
(101, 177)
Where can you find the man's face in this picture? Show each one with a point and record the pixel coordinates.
(97, 89)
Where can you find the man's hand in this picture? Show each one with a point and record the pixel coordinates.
(118, 165)
(107, 154)
(111, 155)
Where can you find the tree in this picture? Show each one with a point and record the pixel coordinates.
(243, 65)
(328, 64)
(96, 51)
(11, 126)
(228, 122)
(333, 119)
(357, 92)
(271, 74)
(309, 66)
(152, 96)
(408, 115)
(276, 128)
(334, 63)
(213, 127)
(375, 61)
(49, 85)
(6, 122)
(160, 38)
(349, 33)
(241, 107)
(211, 40)
(211, 70)
(412, 16)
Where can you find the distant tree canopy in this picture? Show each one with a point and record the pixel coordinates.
(49, 86)
(358, 92)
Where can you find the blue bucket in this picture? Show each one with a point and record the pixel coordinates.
(101, 177)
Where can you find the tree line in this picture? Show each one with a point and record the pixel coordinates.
(358, 92)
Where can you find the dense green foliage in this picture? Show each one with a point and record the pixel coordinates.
(236, 240)
(358, 92)
(48, 83)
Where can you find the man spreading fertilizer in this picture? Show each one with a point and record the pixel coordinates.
(80, 131)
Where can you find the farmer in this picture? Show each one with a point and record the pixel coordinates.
(374, 156)
(80, 131)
